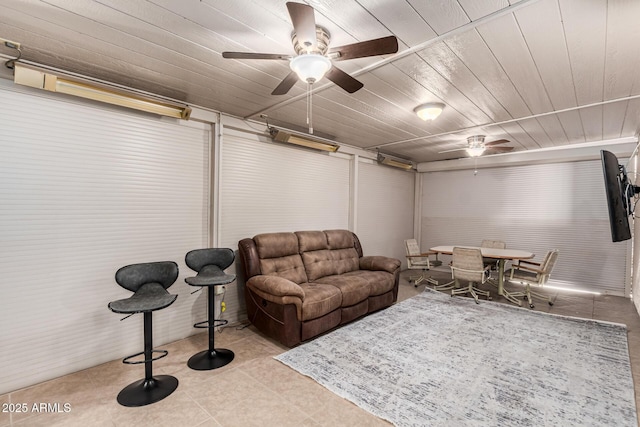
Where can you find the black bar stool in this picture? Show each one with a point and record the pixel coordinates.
(149, 282)
(210, 263)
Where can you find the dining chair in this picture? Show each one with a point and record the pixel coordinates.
(533, 273)
(419, 261)
(492, 262)
(467, 265)
(495, 244)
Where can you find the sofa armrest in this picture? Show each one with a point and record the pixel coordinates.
(379, 263)
(276, 286)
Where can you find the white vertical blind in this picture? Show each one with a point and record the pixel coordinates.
(268, 187)
(534, 208)
(85, 190)
(632, 168)
(385, 209)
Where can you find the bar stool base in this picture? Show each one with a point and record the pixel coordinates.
(210, 359)
(145, 392)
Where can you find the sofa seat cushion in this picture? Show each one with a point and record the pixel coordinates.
(379, 281)
(319, 299)
(354, 289)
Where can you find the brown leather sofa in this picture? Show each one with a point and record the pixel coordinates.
(302, 284)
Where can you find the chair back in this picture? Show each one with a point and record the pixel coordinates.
(133, 276)
(547, 265)
(467, 265)
(414, 249)
(495, 244)
(197, 259)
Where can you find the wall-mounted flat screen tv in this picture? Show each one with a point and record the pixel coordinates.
(619, 193)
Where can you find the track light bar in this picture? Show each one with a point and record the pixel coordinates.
(279, 135)
(396, 163)
(42, 79)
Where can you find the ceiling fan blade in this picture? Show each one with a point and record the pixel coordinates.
(451, 151)
(497, 142)
(373, 47)
(344, 80)
(456, 156)
(304, 23)
(286, 84)
(253, 55)
(497, 150)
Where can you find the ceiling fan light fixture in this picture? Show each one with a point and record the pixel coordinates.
(429, 111)
(310, 67)
(475, 151)
(476, 140)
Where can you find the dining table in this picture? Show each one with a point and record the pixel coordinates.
(502, 255)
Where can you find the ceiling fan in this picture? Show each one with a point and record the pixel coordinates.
(477, 147)
(313, 55)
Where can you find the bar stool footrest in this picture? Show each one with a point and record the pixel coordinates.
(128, 362)
(205, 324)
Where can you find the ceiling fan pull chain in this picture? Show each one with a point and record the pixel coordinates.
(309, 108)
(307, 99)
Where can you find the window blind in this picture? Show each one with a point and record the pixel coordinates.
(85, 190)
(268, 187)
(385, 210)
(535, 208)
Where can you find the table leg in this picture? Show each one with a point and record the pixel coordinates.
(501, 263)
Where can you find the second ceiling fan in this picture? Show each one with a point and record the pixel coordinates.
(477, 147)
(313, 59)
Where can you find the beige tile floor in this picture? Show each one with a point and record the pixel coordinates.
(254, 390)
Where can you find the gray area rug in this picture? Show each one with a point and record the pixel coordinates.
(434, 360)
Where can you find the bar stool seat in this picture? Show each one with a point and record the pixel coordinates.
(149, 283)
(210, 275)
(210, 264)
(150, 297)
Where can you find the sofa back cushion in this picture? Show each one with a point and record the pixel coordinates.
(279, 256)
(344, 255)
(305, 256)
(339, 239)
(311, 241)
(316, 257)
(326, 253)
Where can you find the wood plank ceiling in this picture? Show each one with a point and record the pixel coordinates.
(539, 73)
